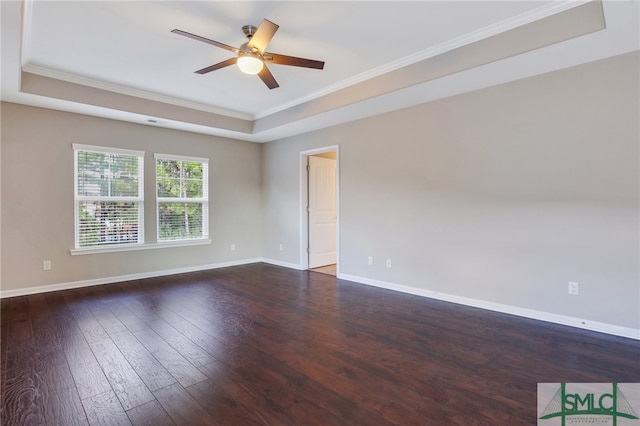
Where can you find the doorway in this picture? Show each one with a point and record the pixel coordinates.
(319, 185)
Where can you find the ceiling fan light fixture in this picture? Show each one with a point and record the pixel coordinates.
(250, 64)
(251, 56)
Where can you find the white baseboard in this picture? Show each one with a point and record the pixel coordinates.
(615, 330)
(120, 278)
(283, 264)
(585, 324)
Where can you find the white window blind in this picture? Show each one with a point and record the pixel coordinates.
(109, 196)
(182, 190)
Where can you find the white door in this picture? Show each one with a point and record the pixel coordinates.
(322, 212)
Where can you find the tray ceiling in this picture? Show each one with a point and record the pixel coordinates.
(119, 59)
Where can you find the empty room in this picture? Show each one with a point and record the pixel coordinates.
(320, 212)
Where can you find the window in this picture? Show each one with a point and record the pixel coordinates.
(182, 189)
(109, 196)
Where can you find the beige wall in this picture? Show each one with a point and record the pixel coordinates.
(37, 197)
(502, 195)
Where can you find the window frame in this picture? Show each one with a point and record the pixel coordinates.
(204, 200)
(77, 199)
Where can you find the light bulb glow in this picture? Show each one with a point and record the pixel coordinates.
(250, 64)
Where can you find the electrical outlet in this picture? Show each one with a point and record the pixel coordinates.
(233, 247)
(388, 263)
(370, 260)
(574, 288)
(46, 265)
(281, 247)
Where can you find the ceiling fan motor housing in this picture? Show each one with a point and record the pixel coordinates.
(249, 30)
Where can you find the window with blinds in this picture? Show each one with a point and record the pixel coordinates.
(182, 190)
(109, 196)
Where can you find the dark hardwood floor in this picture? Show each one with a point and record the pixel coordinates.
(260, 344)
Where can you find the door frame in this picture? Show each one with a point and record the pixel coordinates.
(304, 201)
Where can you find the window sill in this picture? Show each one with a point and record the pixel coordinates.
(134, 247)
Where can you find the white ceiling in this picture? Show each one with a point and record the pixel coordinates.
(118, 59)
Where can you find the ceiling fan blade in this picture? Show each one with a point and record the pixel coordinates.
(263, 35)
(217, 66)
(268, 79)
(293, 61)
(206, 40)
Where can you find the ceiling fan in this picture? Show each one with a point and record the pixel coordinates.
(252, 57)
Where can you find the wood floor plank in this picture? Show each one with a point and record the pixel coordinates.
(63, 322)
(182, 344)
(215, 332)
(202, 338)
(182, 408)
(38, 307)
(144, 311)
(346, 360)
(60, 398)
(127, 385)
(127, 317)
(19, 308)
(20, 334)
(22, 400)
(84, 367)
(162, 313)
(109, 322)
(366, 391)
(179, 367)
(65, 325)
(150, 414)
(245, 391)
(279, 392)
(152, 373)
(45, 332)
(232, 398)
(105, 410)
(89, 325)
(222, 312)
